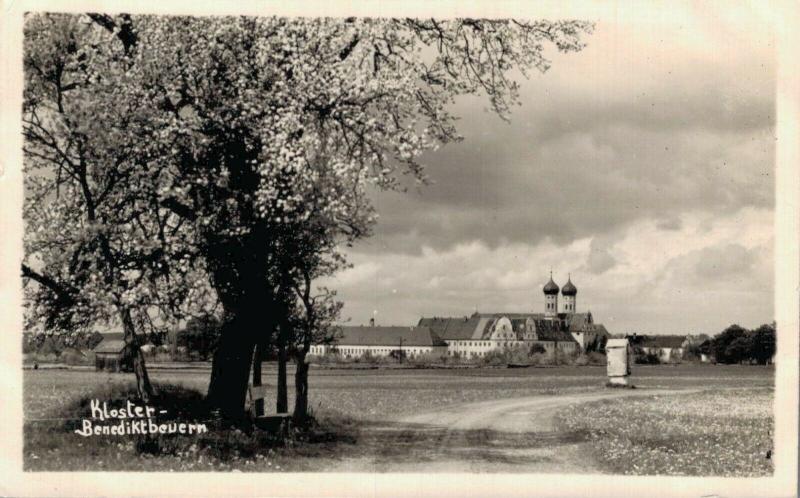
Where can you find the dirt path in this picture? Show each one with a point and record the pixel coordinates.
(512, 435)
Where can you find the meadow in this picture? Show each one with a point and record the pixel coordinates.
(346, 401)
(723, 433)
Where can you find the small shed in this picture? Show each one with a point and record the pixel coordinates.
(109, 355)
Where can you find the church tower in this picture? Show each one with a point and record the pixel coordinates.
(550, 298)
(569, 291)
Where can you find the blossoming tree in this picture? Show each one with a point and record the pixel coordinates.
(96, 253)
(246, 128)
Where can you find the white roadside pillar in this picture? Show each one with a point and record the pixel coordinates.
(618, 362)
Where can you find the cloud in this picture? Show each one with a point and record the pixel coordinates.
(600, 259)
(671, 223)
(358, 275)
(722, 266)
(607, 137)
(575, 185)
(643, 165)
(713, 271)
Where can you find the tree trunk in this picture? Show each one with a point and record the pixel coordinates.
(239, 274)
(282, 404)
(300, 414)
(143, 385)
(258, 404)
(174, 345)
(230, 370)
(132, 348)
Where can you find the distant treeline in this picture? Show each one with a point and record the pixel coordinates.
(55, 344)
(737, 344)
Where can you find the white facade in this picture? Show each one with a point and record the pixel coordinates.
(580, 338)
(479, 334)
(551, 305)
(471, 348)
(664, 353)
(356, 350)
(569, 304)
(467, 348)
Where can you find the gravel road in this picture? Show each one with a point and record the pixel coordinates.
(511, 435)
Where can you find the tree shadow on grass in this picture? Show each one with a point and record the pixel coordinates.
(390, 444)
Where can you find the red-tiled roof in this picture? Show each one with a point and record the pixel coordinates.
(600, 329)
(578, 322)
(113, 336)
(388, 336)
(110, 346)
(454, 328)
(552, 330)
(479, 325)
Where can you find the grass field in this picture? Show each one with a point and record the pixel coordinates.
(349, 399)
(727, 432)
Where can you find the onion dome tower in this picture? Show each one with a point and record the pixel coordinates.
(569, 291)
(550, 290)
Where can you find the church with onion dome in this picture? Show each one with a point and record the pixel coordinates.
(558, 329)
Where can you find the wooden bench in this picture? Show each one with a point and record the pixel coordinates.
(268, 421)
(257, 395)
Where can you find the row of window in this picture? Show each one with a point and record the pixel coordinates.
(568, 306)
(506, 336)
(354, 350)
(482, 343)
(358, 350)
(472, 354)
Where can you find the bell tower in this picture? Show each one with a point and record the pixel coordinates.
(569, 291)
(550, 290)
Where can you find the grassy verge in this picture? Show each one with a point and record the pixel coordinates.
(721, 433)
(51, 444)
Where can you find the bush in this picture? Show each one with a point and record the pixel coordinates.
(76, 357)
(596, 358)
(732, 345)
(200, 337)
(222, 447)
(57, 343)
(647, 359)
(45, 358)
(331, 357)
(541, 359)
(335, 358)
(496, 357)
(593, 358)
(318, 359)
(50, 347)
(398, 354)
(570, 358)
(517, 355)
(159, 357)
(538, 348)
(428, 358)
(158, 354)
(367, 358)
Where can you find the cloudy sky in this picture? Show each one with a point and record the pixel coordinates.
(642, 165)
